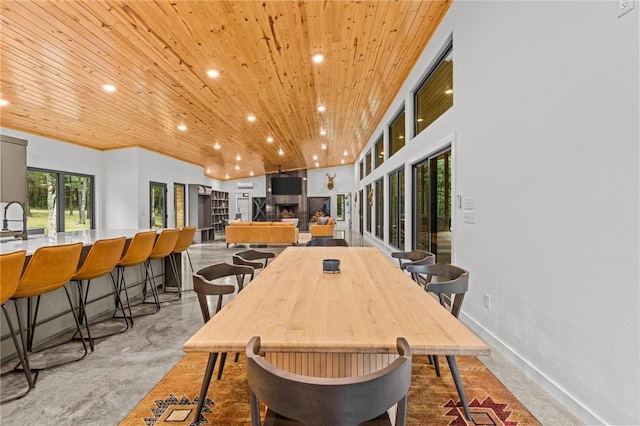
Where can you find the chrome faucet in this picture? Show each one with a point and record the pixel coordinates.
(5, 222)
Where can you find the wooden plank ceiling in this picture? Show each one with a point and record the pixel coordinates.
(57, 55)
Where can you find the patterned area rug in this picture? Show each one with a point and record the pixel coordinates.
(432, 400)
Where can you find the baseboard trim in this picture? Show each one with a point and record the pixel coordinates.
(548, 385)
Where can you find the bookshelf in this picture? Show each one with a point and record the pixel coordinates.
(208, 210)
(219, 209)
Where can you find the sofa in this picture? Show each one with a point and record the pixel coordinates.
(323, 227)
(261, 233)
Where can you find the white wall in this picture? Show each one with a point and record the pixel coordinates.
(122, 177)
(316, 185)
(545, 131)
(343, 183)
(231, 186)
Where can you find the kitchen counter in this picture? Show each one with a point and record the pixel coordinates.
(87, 237)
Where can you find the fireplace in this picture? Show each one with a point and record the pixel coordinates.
(286, 211)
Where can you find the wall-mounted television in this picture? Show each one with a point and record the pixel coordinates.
(286, 185)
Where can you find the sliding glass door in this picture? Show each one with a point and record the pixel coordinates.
(432, 218)
(59, 201)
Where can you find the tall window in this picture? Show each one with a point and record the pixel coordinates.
(361, 169)
(379, 185)
(433, 206)
(340, 206)
(379, 152)
(59, 201)
(158, 205)
(396, 134)
(361, 205)
(435, 94)
(396, 208)
(367, 163)
(178, 204)
(369, 202)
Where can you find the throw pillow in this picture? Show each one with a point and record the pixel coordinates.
(323, 220)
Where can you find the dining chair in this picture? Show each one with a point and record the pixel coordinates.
(11, 265)
(406, 257)
(430, 259)
(450, 289)
(252, 258)
(327, 242)
(163, 247)
(293, 398)
(204, 286)
(50, 268)
(136, 253)
(100, 260)
(185, 239)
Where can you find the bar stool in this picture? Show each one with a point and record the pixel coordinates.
(49, 269)
(101, 259)
(136, 253)
(11, 265)
(182, 246)
(163, 247)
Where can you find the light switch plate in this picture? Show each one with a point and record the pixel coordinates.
(468, 203)
(469, 216)
(625, 6)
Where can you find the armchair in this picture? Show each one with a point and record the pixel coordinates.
(320, 229)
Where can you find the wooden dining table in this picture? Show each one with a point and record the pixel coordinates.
(334, 324)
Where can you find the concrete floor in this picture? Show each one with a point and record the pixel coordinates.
(102, 388)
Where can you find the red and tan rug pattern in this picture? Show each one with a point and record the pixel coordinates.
(432, 400)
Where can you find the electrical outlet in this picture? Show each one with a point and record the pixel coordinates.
(625, 6)
(487, 301)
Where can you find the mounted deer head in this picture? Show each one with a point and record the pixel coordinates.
(330, 182)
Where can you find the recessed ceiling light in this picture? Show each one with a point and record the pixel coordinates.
(342, 161)
(448, 91)
(251, 173)
(345, 153)
(401, 137)
(109, 88)
(269, 139)
(226, 176)
(208, 170)
(317, 164)
(317, 58)
(216, 145)
(322, 108)
(237, 167)
(323, 146)
(323, 132)
(213, 73)
(238, 158)
(420, 120)
(251, 118)
(315, 157)
(182, 127)
(281, 151)
(4, 102)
